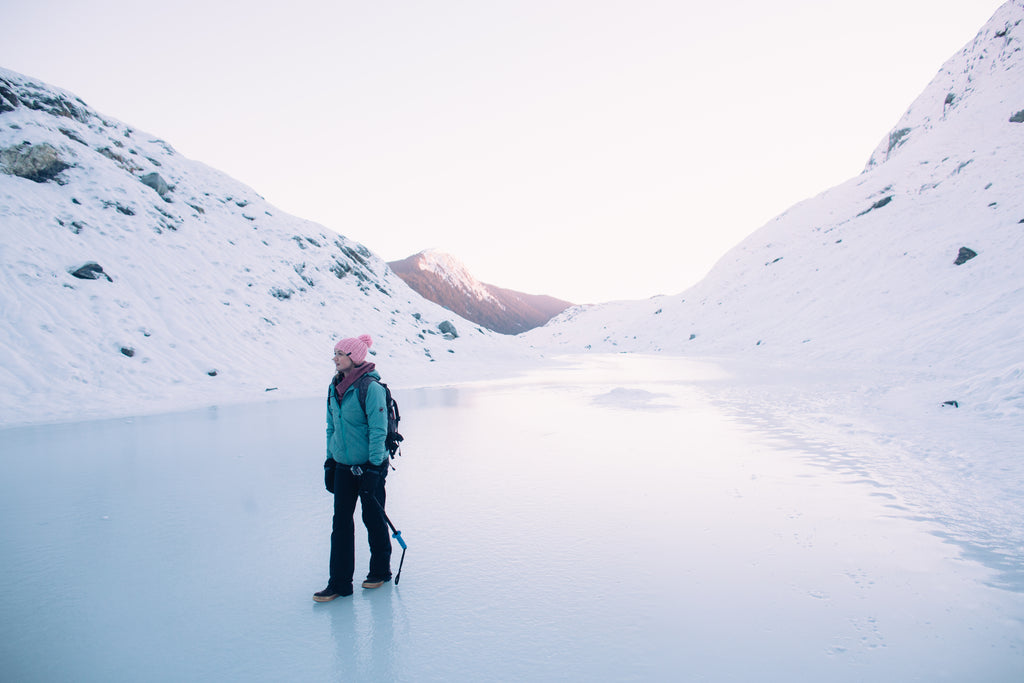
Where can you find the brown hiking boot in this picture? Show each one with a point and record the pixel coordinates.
(329, 593)
(376, 581)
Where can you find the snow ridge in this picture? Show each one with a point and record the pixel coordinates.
(980, 76)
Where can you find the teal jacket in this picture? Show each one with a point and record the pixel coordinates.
(355, 437)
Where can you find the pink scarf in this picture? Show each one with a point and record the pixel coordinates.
(343, 382)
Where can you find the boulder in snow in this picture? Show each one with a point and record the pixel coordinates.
(155, 181)
(448, 329)
(964, 256)
(90, 271)
(38, 163)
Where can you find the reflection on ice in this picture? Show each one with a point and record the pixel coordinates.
(633, 399)
(550, 538)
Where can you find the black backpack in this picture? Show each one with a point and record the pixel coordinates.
(393, 439)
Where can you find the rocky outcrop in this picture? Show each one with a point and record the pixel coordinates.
(90, 271)
(446, 327)
(964, 255)
(158, 184)
(38, 163)
(16, 93)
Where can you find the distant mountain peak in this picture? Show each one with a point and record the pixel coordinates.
(442, 278)
(454, 271)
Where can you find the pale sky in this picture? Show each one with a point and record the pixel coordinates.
(587, 149)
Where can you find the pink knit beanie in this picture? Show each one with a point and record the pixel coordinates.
(355, 347)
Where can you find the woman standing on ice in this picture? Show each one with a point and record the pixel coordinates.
(356, 466)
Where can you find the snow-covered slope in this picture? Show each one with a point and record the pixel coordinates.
(207, 293)
(871, 273)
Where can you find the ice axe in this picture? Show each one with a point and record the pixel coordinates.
(395, 533)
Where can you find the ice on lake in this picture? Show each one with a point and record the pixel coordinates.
(603, 521)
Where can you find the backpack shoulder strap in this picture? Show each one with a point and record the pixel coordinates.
(362, 386)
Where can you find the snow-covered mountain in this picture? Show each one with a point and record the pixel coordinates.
(446, 281)
(913, 265)
(133, 279)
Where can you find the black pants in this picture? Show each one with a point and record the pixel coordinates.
(343, 541)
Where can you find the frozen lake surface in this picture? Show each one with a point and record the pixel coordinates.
(609, 521)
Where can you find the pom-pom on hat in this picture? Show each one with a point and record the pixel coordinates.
(355, 347)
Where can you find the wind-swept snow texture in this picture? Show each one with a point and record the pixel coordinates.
(190, 289)
(871, 275)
